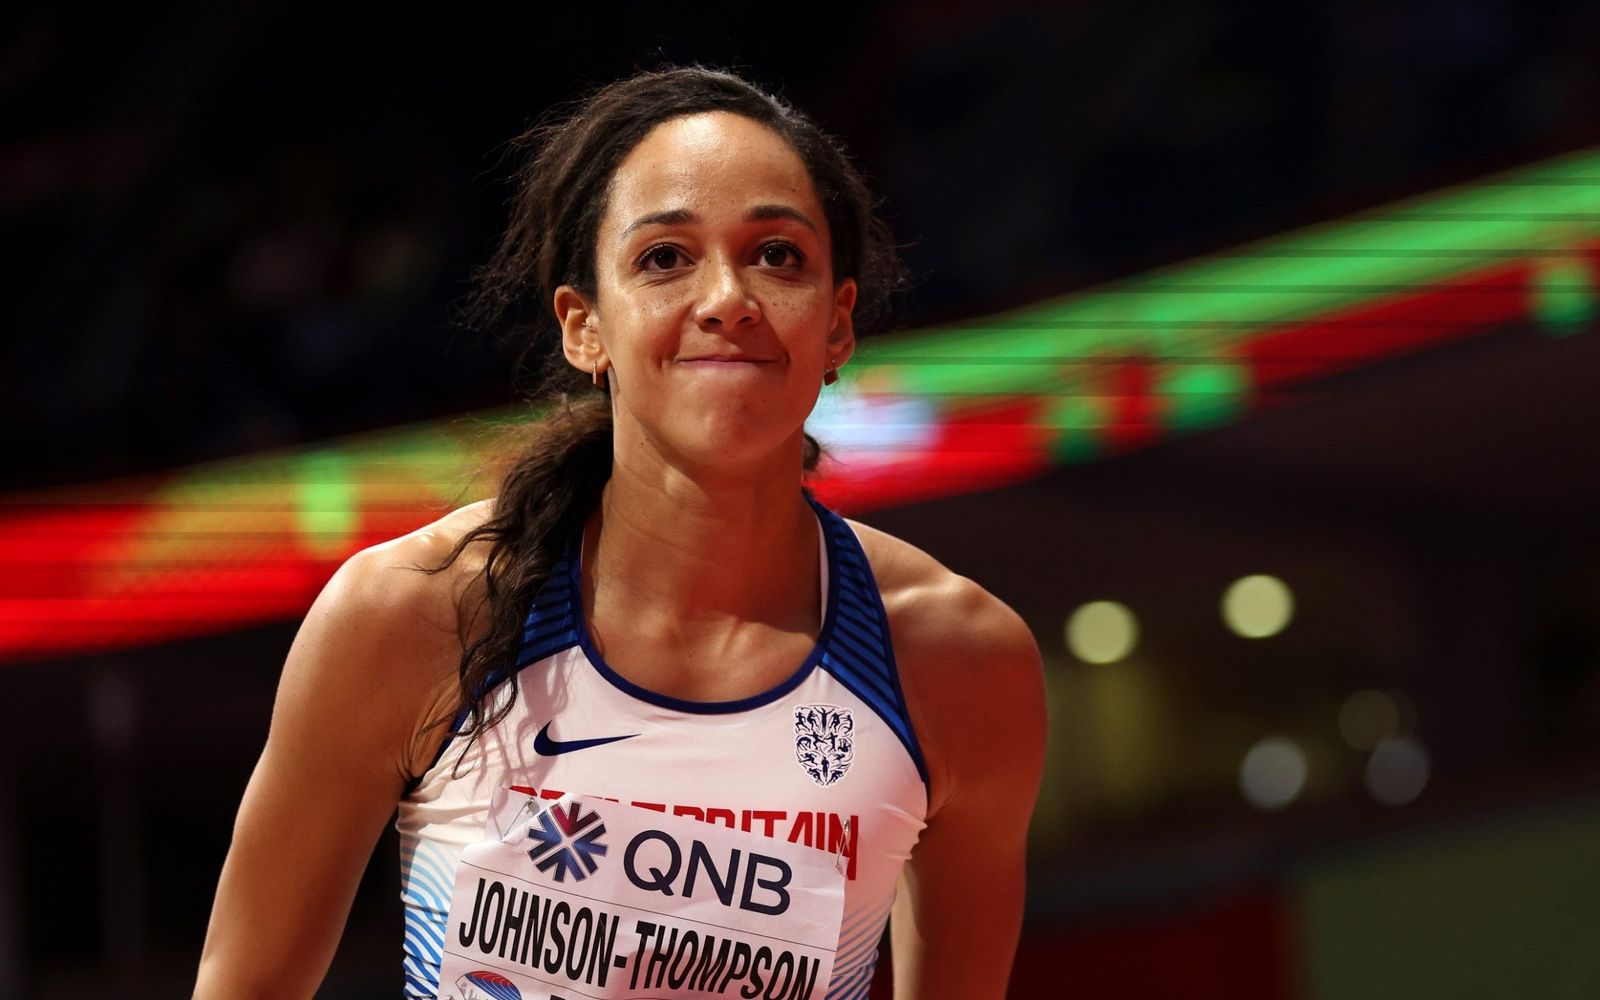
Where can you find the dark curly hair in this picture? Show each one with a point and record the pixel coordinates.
(555, 474)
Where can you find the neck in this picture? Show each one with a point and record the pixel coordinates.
(699, 548)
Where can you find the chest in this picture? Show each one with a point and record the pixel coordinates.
(810, 764)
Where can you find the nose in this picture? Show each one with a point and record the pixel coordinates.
(725, 300)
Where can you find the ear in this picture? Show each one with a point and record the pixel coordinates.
(842, 337)
(580, 340)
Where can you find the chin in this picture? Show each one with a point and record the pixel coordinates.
(736, 443)
(711, 436)
(730, 452)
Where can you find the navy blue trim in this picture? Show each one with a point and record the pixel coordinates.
(812, 660)
(854, 645)
(546, 631)
(870, 674)
(455, 730)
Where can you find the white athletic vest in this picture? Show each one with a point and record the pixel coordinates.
(827, 758)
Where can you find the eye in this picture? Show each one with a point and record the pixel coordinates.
(781, 255)
(662, 257)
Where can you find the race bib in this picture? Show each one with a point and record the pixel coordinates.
(588, 898)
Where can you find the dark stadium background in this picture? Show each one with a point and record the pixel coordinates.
(231, 228)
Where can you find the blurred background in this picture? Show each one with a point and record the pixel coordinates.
(1254, 358)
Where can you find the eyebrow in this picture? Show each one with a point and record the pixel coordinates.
(682, 216)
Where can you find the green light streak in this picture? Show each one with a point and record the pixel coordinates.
(1564, 298)
(328, 514)
(1197, 311)
(1189, 319)
(1205, 395)
(1077, 420)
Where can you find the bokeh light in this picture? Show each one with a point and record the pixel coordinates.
(1369, 717)
(1102, 632)
(1257, 606)
(1273, 772)
(1397, 771)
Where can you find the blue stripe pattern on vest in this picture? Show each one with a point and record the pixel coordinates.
(551, 625)
(858, 652)
(426, 880)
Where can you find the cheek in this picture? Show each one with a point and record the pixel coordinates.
(805, 317)
(796, 303)
(660, 312)
(637, 327)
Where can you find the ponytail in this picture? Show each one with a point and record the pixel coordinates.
(551, 485)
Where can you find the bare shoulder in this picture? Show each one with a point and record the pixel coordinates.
(945, 619)
(385, 633)
(968, 663)
(390, 583)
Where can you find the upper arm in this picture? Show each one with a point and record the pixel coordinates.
(358, 682)
(978, 698)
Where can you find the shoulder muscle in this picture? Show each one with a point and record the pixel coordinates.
(971, 672)
(383, 635)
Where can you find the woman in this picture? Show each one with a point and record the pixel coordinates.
(636, 616)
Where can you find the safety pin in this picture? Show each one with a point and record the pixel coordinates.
(511, 824)
(844, 842)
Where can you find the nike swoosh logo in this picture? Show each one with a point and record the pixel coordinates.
(544, 746)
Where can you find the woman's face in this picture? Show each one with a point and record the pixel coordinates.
(715, 310)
